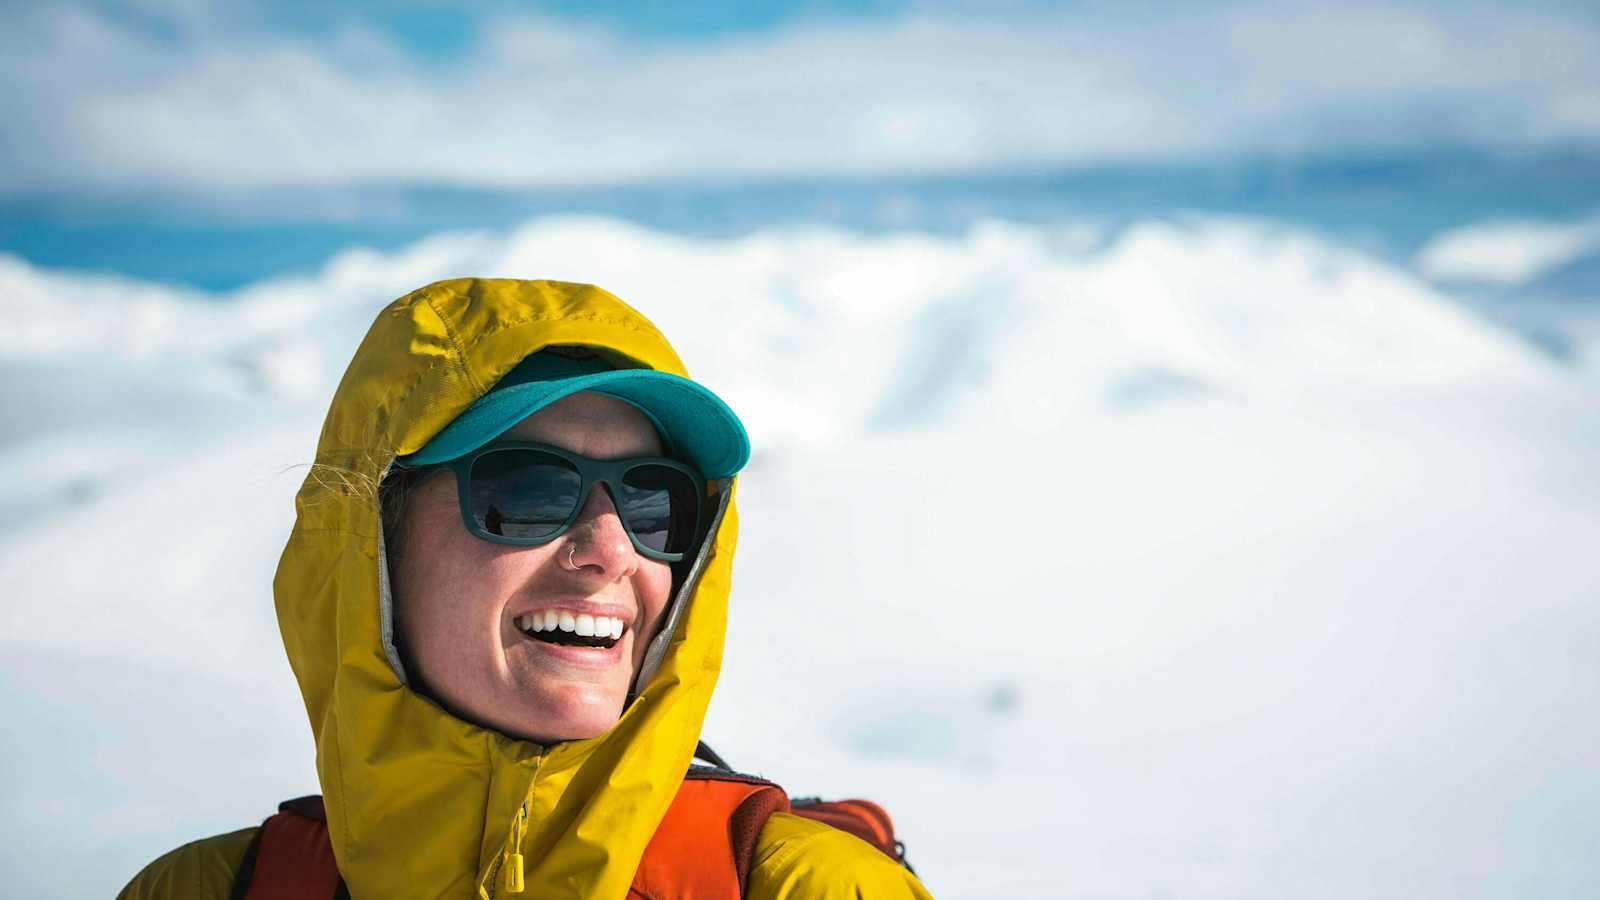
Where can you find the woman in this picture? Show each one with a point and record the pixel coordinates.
(507, 660)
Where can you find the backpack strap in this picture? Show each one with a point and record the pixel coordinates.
(703, 750)
(290, 857)
(862, 818)
(706, 842)
(705, 846)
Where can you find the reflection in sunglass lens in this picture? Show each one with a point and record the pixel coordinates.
(521, 493)
(661, 507)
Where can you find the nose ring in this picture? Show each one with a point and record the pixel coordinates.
(572, 549)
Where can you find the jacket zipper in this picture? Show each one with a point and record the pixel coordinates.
(512, 854)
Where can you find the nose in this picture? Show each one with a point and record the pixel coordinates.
(597, 543)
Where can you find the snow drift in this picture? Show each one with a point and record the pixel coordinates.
(1202, 558)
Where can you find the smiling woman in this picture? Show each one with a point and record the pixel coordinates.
(507, 650)
(507, 633)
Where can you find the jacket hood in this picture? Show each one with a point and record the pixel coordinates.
(420, 803)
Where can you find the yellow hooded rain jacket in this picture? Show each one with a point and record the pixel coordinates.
(422, 804)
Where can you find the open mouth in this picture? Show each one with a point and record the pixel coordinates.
(569, 629)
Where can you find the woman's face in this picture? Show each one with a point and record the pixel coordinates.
(458, 599)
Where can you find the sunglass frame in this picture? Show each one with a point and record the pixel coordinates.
(591, 472)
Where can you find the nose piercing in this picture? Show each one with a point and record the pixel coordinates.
(572, 549)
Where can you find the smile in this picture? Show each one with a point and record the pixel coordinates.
(561, 626)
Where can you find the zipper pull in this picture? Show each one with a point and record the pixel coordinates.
(514, 873)
(513, 854)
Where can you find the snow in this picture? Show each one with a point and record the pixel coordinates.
(1207, 558)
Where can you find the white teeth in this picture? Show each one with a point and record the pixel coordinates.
(583, 624)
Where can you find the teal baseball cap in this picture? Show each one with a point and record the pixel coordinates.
(695, 424)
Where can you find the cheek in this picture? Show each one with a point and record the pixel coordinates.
(432, 606)
(653, 588)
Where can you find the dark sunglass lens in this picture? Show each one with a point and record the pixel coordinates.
(522, 494)
(661, 506)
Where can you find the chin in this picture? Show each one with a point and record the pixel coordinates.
(579, 712)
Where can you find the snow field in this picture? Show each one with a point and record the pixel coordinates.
(1202, 559)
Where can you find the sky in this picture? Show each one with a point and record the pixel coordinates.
(181, 95)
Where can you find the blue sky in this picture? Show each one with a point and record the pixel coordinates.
(449, 32)
(188, 95)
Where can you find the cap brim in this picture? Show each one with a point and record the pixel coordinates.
(694, 422)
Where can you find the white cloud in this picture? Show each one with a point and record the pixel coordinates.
(549, 102)
(1507, 252)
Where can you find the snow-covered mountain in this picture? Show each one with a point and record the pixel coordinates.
(1198, 557)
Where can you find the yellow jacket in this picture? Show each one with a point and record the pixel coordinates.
(420, 803)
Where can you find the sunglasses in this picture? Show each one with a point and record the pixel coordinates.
(525, 494)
